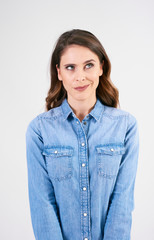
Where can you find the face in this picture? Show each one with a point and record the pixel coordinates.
(79, 71)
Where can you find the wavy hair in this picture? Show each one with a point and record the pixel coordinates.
(106, 91)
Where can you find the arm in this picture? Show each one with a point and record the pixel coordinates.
(119, 218)
(44, 216)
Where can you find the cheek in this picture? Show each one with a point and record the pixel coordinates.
(66, 82)
(95, 79)
(67, 76)
(94, 76)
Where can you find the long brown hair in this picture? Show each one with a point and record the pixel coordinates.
(106, 91)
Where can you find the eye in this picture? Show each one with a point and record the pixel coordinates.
(89, 65)
(70, 67)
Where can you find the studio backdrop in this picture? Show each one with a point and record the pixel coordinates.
(29, 30)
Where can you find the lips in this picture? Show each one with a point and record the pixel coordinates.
(81, 87)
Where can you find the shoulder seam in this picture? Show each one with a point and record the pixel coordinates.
(39, 127)
(115, 117)
(51, 117)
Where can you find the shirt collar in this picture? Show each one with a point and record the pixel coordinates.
(95, 112)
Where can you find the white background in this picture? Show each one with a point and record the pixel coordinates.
(28, 31)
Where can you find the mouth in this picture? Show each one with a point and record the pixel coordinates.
(81, 88)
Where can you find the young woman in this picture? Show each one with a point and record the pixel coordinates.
(82, 152)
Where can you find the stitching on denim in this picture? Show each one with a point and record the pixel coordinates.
(50, 117)
(114, 117)
(59, 147)
(67, 175)
(120, 144)
(39, 127)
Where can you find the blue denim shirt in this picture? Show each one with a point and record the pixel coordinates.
(81, 175)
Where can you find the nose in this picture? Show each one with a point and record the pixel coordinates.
(80, 76)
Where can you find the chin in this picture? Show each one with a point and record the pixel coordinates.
(82, 98)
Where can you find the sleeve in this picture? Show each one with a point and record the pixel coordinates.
(43, 208)
(119, 218)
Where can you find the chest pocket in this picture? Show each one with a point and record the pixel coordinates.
(59, 162)
(108, 159)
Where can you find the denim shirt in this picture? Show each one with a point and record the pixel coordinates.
(81, 175)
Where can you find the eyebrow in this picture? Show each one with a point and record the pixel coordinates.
(90, 60)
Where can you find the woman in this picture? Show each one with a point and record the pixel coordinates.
(82, 152)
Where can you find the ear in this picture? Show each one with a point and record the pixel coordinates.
(58, 72)
(101, 69)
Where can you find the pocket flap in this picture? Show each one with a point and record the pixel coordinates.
(58, 151)
(110, 149)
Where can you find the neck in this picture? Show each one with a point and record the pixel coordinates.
(81, 108)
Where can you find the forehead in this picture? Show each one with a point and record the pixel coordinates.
(75, 53)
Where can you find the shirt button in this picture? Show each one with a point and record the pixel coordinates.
(56, 151)
(85, 123)
(112, 150)
(82, 144)
(84, 188)
(77, 122)
(83, 164)
(85, 238)
(85, 214)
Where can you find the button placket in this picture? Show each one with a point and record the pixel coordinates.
(84, 180)
(85, 193)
